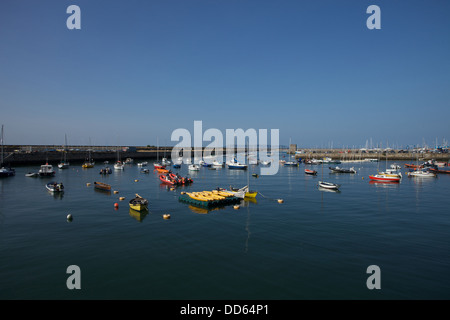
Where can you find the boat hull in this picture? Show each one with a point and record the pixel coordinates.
(328, 185)
(384, 178)
(102, 186)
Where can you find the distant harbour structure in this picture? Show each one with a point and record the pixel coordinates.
(292, 148)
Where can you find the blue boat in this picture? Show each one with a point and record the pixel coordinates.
(176, 166)
(234, 164)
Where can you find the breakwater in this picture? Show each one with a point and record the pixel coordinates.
(20, 155)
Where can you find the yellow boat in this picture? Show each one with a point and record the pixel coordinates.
(251, 194)
(138, 203)
(87, 165)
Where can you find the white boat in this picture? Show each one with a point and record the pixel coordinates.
(129, 161)
(217, 163)
(46, 170)
(166, 162)
(54, 187)
(32, 174)
(119, 165)
(395, 166)
(422, 174)
(194, 167)
(265, 162)
(64, 164)
(328, 185)
(5, 172)
(145, 170)
(142, 164)
(234, 164)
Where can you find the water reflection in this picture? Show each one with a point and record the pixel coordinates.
(385, 184)
(138, 215)
(204, 210)
(329, 190)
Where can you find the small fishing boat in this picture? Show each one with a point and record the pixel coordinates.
(138, 203)
(106, 170)
(176, 166)
(246, 192)
(194, 167)
(142, 164)
(162, 170)
(54, 186)
(265, 162)
(46, 170)
(102, 186)
(328, 160)
(342, 170)
(129, 161)
(312, 172)
(329, 185)
(63, 165)
(7, 172)
(145, 170)
(291, 164)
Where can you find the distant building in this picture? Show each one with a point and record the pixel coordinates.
(292, 148)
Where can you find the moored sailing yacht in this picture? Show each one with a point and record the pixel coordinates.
(5, 172)
(64, 164)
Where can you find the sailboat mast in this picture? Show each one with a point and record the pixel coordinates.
(1, 162)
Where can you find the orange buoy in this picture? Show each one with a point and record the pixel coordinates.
(166, 216)
(116, 205)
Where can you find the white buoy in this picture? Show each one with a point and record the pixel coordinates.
(69, 217)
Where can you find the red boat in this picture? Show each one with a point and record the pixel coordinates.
(167, 179)
(179, 179)
(158, 166)
(313, 172)
(384, 178)
(439, 171)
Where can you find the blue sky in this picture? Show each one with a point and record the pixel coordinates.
(137, 70)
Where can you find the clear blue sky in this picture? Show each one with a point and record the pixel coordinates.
(138, 70)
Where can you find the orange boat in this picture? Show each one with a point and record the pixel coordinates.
(413, 166)
(162, 170)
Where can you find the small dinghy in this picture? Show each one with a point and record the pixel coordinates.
(311, 172)
(55, 186)
(329, 185)
(138, 203)
(32, 174)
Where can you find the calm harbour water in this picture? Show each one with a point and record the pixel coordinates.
(315, 245)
